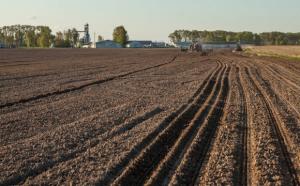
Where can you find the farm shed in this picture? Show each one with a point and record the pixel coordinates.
(107, 44)
(159, 45)
(139, 44)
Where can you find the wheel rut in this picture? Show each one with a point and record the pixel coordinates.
(244, 152)
(189, 169)
(276, 128)
(169, 140)
(183, 111)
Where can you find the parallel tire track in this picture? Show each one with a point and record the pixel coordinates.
(286, 111)
(189, 170)
(243, 170)
(59, 92)
(280, 76)
(137, 150)
(141, 168)
(168, 165)
(277, 130)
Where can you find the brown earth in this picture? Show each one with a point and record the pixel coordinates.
(148, 117)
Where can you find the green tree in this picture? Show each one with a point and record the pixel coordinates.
(59, 40)
(44, 38)
(257, 39)
(175, 37)
(195, 36)
(29, 38)
(228, 38)
(186, 35)
(75, 37)
(246, 37)
(120, 35)
(172, 38)
(68, 35)
(1, 37)
(100, 38)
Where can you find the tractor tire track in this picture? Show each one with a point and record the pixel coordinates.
(116, 171)
(188, 171)
(287, 74)
(226, 162)
(288, 114)
(279, 79)
(279, 76)
(168, 165)
(150, 157)
(244, 152)
(276, 128)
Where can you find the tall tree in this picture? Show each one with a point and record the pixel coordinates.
(120, 35)
(75, 37)
(44, 38)
(172, 38)
(59, 40)
(100, 38)
(186, 35)
(30, 38)
(195, 36)
(257, 39)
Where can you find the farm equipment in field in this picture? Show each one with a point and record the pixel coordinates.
(198, 47)
(238, 48)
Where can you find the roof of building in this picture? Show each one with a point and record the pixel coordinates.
(108, 44)
(145, 42)
(106, 41)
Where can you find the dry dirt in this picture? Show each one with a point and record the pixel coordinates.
(148, 117)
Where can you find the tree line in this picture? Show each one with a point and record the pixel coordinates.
(220, 36)
(17, 36)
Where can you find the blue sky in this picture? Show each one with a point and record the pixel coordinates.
(155, 19)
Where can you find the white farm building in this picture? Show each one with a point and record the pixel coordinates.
(107, 44)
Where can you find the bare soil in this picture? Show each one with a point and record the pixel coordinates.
(148, 117)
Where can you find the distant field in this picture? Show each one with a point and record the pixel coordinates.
(284, 51)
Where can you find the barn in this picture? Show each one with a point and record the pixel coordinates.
(107, 44)
(159, 45)
(139, 44)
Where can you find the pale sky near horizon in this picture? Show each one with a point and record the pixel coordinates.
(154, 19)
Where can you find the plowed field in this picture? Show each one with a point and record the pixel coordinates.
(148, 117)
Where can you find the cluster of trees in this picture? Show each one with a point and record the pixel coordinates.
(66, 39)
(220, 36)
(37, 36)
(41, 36)
(26, 36)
